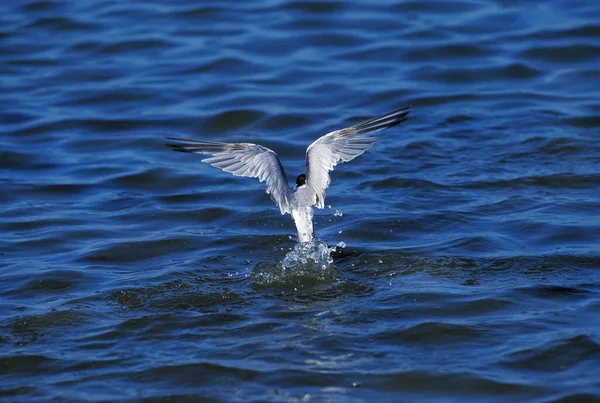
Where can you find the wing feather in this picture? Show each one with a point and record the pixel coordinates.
(243, 159)
(342, 146)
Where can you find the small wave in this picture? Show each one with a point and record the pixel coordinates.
(556, 355)
(307, 264)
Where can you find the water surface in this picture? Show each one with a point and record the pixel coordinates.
(471, 266)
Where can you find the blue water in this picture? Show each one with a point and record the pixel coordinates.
(467, 259)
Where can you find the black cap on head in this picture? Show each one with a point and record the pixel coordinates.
(301, 180)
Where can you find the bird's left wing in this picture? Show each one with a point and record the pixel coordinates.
(243, 159)
(342, 146)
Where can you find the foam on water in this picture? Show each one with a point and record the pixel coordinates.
(307, 264)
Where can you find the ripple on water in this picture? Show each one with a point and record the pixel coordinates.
(556, 355)
(129, 272)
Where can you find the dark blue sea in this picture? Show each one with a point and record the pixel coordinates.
(462, 250)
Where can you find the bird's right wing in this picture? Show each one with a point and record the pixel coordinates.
(243, 159)
(342, 146)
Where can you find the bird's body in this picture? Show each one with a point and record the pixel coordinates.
(256, 161)
(302, 213)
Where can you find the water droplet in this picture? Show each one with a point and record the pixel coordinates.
(306, 262)
(340, 231)
(341, 244)
(380, 261)
(338, 213)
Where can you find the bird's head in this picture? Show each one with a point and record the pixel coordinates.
(301, 180)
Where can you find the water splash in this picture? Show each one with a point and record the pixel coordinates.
(309, 263)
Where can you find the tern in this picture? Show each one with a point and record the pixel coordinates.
(256, 161)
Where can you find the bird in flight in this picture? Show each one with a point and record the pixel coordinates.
(256, 161)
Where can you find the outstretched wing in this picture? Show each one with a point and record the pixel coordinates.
(342, 146)
(243, 159)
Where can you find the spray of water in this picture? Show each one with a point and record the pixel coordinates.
(307, 264)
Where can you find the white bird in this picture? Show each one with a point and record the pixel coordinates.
(256, 161)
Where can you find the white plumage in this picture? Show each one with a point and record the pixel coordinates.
(256, 161)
